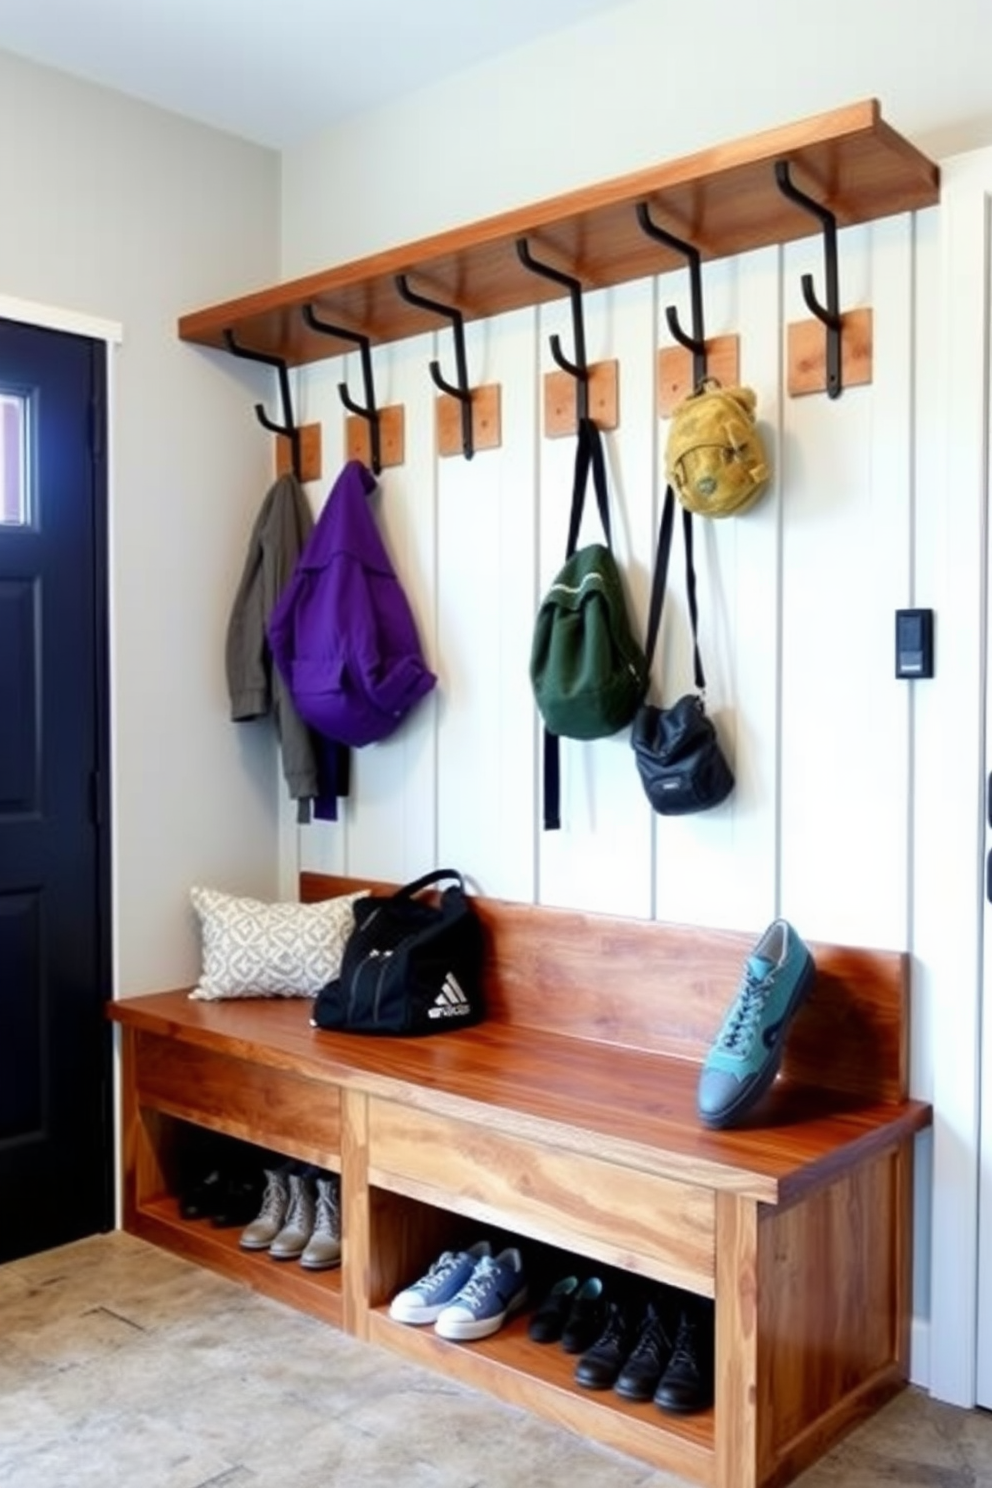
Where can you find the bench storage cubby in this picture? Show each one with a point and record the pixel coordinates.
(568, 1119)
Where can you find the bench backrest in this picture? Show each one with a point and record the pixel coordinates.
(664, 988)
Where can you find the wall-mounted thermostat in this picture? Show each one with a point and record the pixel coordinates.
(914, 643)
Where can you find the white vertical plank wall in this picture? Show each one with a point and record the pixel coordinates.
(951, 763)
(387, 826)
(797, 601)
(606, 822)
(845, 569)
(392, 810)
(983, 1376)
(486, 597)
(927, 935)
(796, 598)
(720, 868)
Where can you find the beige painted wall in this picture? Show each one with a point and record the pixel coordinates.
(121, 211)
(646, 82)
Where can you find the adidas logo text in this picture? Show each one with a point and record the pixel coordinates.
(451, 1001)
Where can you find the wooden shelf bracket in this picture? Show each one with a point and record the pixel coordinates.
(579, 369)
(460, 390)
(696, 342)
(288, 428)
(829, 315)
(853, 161)
(369, 412)
(735, 198)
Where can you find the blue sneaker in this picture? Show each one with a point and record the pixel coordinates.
(496, 1289)
(745, 1057)
(426, 1299)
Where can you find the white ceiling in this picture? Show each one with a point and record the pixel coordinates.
(275, 71)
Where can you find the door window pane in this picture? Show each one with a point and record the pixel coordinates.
(13, 464)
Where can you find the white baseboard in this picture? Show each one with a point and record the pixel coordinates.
(919, 1352)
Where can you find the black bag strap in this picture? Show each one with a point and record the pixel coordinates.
(425, 881)
(552, 783)
(660, 579)
(588, 453)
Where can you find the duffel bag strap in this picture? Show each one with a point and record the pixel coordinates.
(425, 881)
(660, 579)
(588, 451)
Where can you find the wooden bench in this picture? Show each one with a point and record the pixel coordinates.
(568, 1119)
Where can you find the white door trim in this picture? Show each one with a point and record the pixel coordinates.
(53, 318)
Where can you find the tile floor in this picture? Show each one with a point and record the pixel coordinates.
(125, 1367)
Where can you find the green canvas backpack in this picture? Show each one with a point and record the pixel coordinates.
(587, 671)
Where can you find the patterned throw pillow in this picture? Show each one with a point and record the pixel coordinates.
(253, 949)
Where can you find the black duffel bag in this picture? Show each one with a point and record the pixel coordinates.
(410, 966)
(678, 755)
(681, 765)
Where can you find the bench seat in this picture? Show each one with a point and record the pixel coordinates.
(798, 1225)
(627, 1105)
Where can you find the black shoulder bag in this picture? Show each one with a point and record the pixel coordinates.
(410, 966)
(678, 755)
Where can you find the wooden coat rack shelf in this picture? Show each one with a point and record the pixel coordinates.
(724, 201)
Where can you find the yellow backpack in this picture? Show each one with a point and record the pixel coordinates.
(714, 457)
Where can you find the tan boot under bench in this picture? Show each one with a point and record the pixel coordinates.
(568, 1118)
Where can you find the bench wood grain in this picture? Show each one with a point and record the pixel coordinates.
(568, 1117)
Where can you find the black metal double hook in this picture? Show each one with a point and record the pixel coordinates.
(830, 313)
(369, 411)
(579, 368)
(696, 342)
(288, 426)
(461, 389)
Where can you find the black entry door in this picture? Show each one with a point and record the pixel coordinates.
(55, 1134)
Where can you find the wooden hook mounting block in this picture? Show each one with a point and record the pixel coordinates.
(807, 351)
(559, 399)
(487, 432)
(310, 453)
(392, 440)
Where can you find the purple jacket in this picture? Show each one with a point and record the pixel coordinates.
(342, 632)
